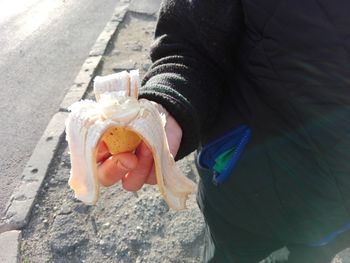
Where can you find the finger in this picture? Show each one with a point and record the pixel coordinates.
(136, 178)
(102, 152)
(152, 179)
(115, 167)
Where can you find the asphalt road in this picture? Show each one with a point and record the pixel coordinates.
(43, 44)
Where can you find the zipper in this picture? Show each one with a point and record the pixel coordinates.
(220, 178)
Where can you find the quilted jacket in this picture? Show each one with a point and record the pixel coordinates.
(282, 68)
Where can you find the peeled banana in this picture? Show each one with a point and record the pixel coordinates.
(122, 121)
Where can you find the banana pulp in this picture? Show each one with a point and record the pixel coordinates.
(121, 120)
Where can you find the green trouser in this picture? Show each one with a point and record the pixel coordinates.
(230, 242)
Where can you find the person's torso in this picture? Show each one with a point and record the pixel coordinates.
(292, 86)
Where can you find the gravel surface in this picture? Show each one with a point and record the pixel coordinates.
(122, 227)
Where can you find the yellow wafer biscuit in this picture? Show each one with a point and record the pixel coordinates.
(120, 139)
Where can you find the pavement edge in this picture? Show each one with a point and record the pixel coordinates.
(9, 243)
(19, 207)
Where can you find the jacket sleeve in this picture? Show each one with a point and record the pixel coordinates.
(194, 51)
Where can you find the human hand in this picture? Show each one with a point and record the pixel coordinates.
(135, 169)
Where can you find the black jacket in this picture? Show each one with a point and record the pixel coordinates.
(281, 67)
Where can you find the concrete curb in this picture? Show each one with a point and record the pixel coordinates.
(23, 198)
(9, 243)
(87, 72)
